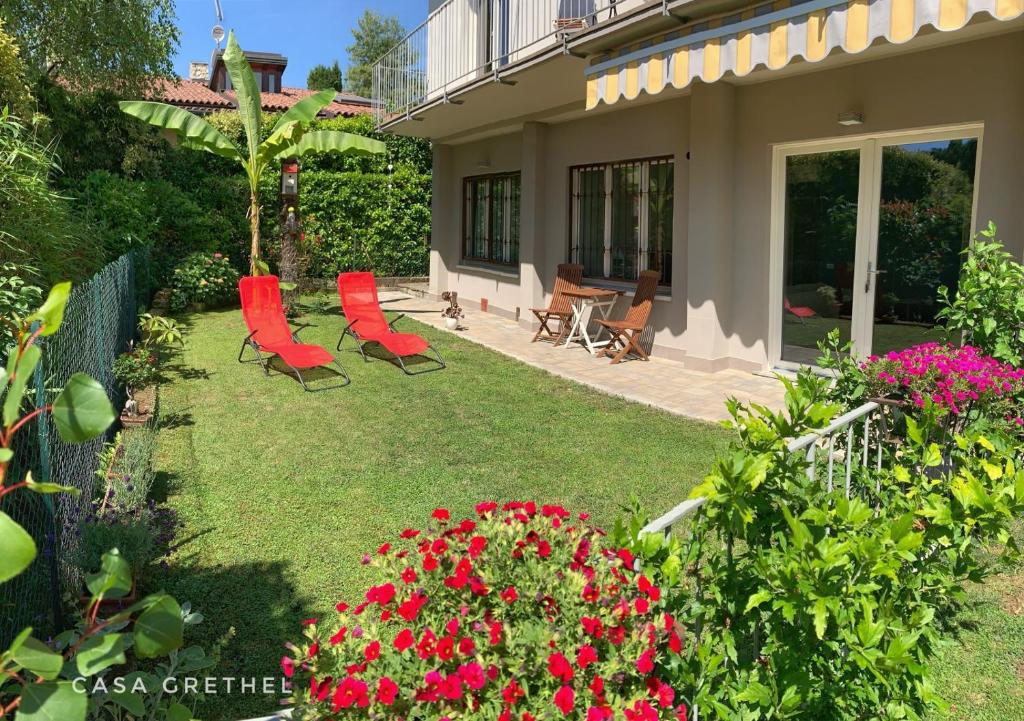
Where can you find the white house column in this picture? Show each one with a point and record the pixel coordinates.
(445, 214)
(709, 256)
(531, 223)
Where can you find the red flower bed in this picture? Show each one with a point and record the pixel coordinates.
(521, 614)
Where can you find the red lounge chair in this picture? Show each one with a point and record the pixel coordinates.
(800, 311)
(269, 333)
(367, 324)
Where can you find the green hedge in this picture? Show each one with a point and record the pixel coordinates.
(360, 221)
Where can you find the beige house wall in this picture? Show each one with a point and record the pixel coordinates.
(721, 137)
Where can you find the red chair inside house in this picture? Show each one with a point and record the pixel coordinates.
(270, 334)
(802, 312)
(367, 324)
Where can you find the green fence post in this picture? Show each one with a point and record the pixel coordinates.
(43, 432)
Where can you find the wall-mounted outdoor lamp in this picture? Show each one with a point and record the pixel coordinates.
(851, 118)
(290, 177)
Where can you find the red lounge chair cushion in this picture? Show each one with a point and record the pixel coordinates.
(300, 355)
(359, 303)
(264, 315)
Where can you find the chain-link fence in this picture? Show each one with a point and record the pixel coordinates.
(99, 321)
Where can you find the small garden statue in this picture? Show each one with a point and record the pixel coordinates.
(453, 312)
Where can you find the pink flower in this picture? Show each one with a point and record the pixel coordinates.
(472, 674)
(287, 666)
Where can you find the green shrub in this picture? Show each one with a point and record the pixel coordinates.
(131, 535)
(18, 298)
(14, 91)
(812, 604)
(136, 369)
(208, 280)
(988, 307)
(125, 473)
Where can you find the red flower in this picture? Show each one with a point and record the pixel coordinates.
(452, 627)
(387, 691)
(565, 699)
(319, 691)
(495, 633)
(681, 712)
(429, 563)
(666, 695)
(339, 636)
(341, 607)
(600, 713)
(383, 549)
(510, 594)
(372, 652)
(409, 575)
(675, 643)
(427, 645)
(559, 667)
(410, 609)
(350, 692)
(441, 514)
(472, 675)
(313, 650)
(597, 686)
(445, 648)
(439, 546)
(486, 507)
(645, 664)
(381, 594)
(617, 634)
(646, 587)
(543, 549)
(626, 557)
(404, 640)
(451, 688)
(593, 626)
(409, 533)
(512, 693)
(641, 606)
(309, 622)
(641, 711)
(586, 656)
(476, 546)
(287, 666)
(466, 646)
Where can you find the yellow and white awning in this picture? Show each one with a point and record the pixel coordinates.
(772, 34)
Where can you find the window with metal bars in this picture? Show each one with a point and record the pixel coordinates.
(622, 219)
(490, 219)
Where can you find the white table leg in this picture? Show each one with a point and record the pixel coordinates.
(604, 308)
(577, 318)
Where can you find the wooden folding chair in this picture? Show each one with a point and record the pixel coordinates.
(625, 333)
(568, 277)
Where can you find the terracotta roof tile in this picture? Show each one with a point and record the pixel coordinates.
(191, 94)
(274, 102)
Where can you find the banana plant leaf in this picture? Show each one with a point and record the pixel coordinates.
(193, 130)
(333, 141)
(247, 94)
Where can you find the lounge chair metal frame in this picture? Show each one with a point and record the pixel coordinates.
(264, 361)
(350, 331)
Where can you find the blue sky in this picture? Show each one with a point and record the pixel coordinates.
(307, 32)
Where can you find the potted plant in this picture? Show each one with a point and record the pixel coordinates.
(453, 312)
(137, 371)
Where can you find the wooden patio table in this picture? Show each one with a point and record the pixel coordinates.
(600, 300)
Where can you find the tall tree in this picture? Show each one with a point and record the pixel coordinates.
(325, 77)
(373, 36)
(95, 45)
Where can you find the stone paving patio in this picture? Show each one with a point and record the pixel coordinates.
(660, 383)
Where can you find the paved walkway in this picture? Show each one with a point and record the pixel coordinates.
(660, 383)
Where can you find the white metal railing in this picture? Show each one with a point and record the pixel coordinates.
(467, 40)
(826, 448)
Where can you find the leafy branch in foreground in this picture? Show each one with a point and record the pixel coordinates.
(36, 681)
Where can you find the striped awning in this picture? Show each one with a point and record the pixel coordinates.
(772, 34)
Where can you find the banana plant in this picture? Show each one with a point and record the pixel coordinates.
(290, 136)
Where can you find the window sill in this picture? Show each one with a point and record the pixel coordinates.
(498, 270)
(628, 288)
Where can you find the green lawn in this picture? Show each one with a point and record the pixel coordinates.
(281, 492)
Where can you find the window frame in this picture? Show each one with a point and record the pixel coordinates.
(512, 225)
(643, 244)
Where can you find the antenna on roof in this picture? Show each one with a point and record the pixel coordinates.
(218, 29)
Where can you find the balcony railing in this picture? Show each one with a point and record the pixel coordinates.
(463, 41)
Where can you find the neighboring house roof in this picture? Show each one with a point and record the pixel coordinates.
(197, 97)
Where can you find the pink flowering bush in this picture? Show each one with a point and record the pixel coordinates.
(956, 381)
(523, 613)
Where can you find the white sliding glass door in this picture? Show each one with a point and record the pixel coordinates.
(864, 231)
